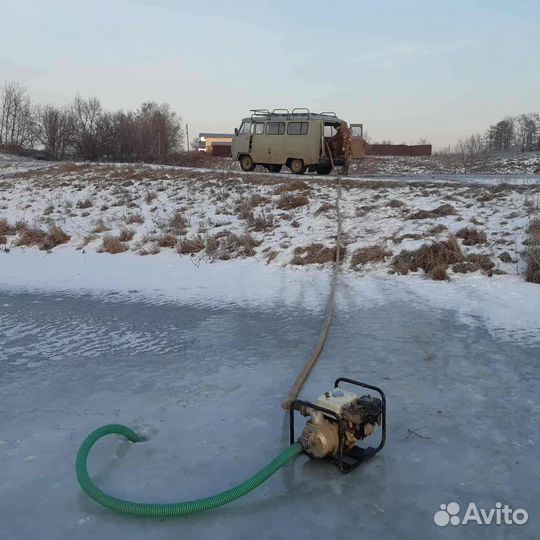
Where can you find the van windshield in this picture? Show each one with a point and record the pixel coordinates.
(245, 127)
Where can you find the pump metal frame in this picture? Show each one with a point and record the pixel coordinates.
(350, 460)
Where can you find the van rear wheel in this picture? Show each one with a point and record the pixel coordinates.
(275, 168)
(246, 163)
(323, 168)
(297, 166)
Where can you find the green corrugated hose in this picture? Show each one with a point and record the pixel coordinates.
(167, 509)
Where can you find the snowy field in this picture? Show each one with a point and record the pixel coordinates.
(277, 219)
(198, 359)
(193, 331)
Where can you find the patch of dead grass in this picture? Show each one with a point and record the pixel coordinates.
(289, 201)
(432, 258)
(471, 236)
(440, 211)
(112, 244)
(316, 254)
(293, 185)
(195, 244)
(369, 254)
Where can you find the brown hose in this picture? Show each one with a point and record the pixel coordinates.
(303, 375)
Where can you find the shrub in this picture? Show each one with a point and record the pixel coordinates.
(471, 236)
(167, 240)
(429, 257)
(178, 222)
(111, 244)
(126, 234)
(191, 245)
(55, 236)
(31, 236)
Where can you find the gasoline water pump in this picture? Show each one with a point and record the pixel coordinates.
(338, 420)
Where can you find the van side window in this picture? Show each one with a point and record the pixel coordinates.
(297, 128)
(259, 128)
(275, 128)
(245, 127)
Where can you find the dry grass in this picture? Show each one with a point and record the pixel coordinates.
(149, 196)
(407, 236)
(532, 254)
(432, 258)
(293, 185)
(126, 234)
(471, 236)
(437, 229)
(325, 207)
(85, 203)
(135, 218)
(227, 245)
(194, 244)
(288, 201)
(369, 254)
(177, 223)
(100, 226)
(167, 240)
(440, 211)
(31, 236)
(261, 222)
(112, 244)
(55, 236)
(45, 240)
(5, 228)
(316, 254)
(505, 257)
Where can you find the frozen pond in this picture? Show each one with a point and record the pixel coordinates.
(204, 382)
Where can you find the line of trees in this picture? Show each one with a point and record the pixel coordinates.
(83, 130)
(513, 133)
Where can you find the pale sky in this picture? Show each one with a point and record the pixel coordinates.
(406, 69)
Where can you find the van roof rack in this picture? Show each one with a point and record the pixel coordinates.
(296, 112)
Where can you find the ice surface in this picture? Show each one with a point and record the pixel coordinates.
(199, 359)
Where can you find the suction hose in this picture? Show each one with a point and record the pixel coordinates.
(168, 509)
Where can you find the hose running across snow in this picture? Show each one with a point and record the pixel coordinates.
(168, 509)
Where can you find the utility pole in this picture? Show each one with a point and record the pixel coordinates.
(187, 138)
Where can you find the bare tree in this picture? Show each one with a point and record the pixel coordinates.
(17, 126)
(160, 131)
(86, 113)
(56, 130)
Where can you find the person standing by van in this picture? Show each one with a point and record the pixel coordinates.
(341, 145)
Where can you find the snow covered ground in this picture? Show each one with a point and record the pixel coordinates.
(198, 359)
(278, 219)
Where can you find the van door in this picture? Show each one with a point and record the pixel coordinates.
(241, 143)
(358, 143)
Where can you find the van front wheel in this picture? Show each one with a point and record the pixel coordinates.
(246, 163)
(297, 166)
